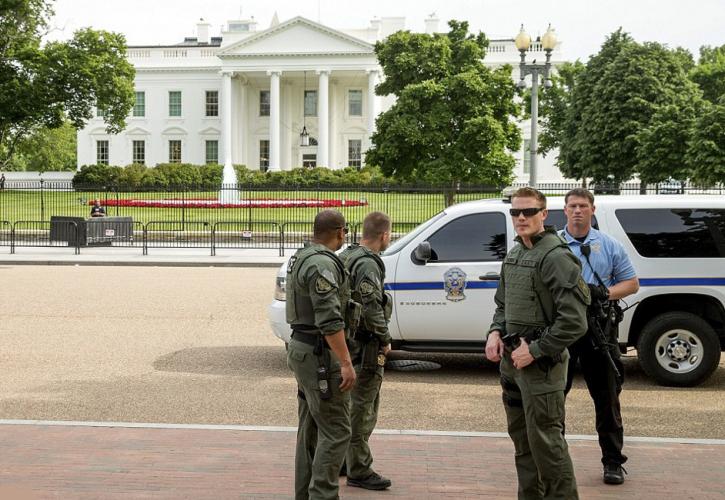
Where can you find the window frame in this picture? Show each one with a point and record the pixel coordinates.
(268, 103)
(263, 161)
(99, 151)
(349, 103)
(181, 107)
(170, 150)
(304, 103)
(501, 219)
(214, 106)
(134, 143)
(350, 159)
(207, 143)
(136, 106)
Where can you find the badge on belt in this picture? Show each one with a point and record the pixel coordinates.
(381, 359)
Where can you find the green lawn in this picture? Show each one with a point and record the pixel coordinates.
(17, 205)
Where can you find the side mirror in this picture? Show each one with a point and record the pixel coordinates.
(422, 252)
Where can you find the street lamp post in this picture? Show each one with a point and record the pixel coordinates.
(523, 42)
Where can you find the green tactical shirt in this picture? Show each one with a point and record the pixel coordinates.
(367, 277)
(542, 286)
(317, 288)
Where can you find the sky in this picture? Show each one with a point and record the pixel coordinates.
(581, 25)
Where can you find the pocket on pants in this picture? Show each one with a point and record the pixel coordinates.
(549, 408)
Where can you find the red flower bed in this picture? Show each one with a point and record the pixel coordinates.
(215, 203)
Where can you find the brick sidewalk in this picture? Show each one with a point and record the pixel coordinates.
(73, 462)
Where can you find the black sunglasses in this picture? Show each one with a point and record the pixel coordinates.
(528, 212)
(345, 229)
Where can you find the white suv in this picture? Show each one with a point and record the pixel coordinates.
(443, 275)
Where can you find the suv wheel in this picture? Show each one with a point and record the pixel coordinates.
(678, 349)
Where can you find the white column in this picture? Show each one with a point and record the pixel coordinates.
(372, 108)
(227, 117)
(323, 120)
(274, 115)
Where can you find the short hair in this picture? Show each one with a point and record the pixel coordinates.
(326, 223)
(529, 192)
(375, 224)
(580, 193)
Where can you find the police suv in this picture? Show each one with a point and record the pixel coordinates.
(444, 273)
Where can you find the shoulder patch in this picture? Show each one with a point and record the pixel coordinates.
(367, 287)
(322, 285)
(584, 291)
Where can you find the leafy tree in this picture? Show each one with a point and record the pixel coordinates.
(47, 85)
(50, 149)
(663, 143)
(453, 119)
(706, 152)
(709, 73)
(614, 118)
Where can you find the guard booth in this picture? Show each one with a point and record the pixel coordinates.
(98, 231)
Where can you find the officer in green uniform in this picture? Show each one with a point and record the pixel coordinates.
(317, 304)
(541, 309)
(371, 345)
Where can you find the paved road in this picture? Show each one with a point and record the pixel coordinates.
(192, 345)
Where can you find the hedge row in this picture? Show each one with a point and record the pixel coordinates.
(175, 175)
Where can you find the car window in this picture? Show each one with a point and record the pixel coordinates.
(557, 218)
(471, 238)
(677, 232)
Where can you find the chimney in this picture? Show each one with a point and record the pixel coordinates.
(375, 25)
(431, 24)
(202, 31)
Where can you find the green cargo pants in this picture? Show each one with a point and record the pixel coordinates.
(365, 402)
(324, 427)
(534, 401)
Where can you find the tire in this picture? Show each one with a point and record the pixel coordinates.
(678, 349)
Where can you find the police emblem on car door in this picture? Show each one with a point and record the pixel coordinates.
(454, 281)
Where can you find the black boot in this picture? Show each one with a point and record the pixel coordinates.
(613, 473)
(373, 482)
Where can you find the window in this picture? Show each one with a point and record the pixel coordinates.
(175, 103)
(354, 153)
(212, 152)
(557, 218)
(100, 113)
(309, 160)
(310, 103)
(527, 156)
(139, 107)
(212, 103)
(354, 102)
(263, 155)
(675, 232)
(174, 151)
(102, 152)
(264, 103)
(139, 152)
(471, 238)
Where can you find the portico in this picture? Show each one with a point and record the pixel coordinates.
(300, 74)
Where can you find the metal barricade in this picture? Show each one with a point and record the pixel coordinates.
(6, 234)
(294, 234)
(176, 234)
(262, 235)
(64, 233)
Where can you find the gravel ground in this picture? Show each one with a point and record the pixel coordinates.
(192, 345)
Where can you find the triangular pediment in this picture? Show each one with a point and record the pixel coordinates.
(210, 131)
(138, 131)
(298, 36)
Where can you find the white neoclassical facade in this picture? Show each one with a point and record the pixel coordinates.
(246, 96)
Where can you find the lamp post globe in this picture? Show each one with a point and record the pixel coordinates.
(548, 41)
(522, 40)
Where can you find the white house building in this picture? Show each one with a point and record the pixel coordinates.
(246, 97)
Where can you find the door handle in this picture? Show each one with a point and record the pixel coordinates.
(490, 277)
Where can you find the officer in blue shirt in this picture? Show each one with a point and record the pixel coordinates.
(604, 262)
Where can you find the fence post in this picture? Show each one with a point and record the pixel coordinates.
(213, 239)
(42, 201)
(76, 238)
(145, 239)
(12, 238)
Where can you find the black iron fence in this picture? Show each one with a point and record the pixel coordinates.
(234, 216)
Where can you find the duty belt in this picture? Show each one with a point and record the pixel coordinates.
(307, 338)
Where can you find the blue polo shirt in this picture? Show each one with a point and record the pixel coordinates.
(608, 257)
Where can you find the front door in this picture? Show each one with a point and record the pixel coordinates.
(450, 298)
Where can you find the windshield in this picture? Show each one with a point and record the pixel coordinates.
(398, 244)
